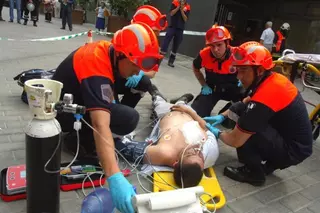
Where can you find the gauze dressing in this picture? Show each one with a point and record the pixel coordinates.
(193, 133)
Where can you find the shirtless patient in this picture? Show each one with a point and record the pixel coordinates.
(179, 140)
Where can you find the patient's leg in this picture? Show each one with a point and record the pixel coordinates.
(133, 151)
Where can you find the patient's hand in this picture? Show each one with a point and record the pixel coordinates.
(180, 108)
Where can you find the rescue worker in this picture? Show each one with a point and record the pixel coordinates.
(34, 13)
(280, 38)
(221, 81)
(179, 12)
(90, 74)
(273, 130)
(153, 18)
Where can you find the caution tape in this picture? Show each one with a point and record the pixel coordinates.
(186, 32)
(67, 37)
(59, 38)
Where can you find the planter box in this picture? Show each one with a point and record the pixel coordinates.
(115, 23)
(77, 16)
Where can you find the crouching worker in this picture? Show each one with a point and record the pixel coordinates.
(273, 130)
(135, 87)
(89, 73)
(179, 140)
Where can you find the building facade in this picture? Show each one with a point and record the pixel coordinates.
(246, 20)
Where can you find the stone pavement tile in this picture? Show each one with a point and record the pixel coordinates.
(18, 206)
(312, 192)
(305, 210)
(16, 124)
(19, 154)
(11, 147)
(225, 209)
(295, 201)
(4, 139)
(282, 175)
(242, 189)
(71, 206)
(226, 182)
(228, 196)
(277, 191)
(226, 158)
(9, 118)
(273, 208)
(17, 138)
(315, 207)
(246, 204)
(315, 175)
(306, 180)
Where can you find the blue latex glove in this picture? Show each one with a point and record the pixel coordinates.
(114, 102)
(239, 84)
(214, 130)
(214, 120)
(134, 80)
(121, 192)
(206, 90)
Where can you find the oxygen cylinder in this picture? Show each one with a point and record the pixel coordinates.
(43, 144)
(43, 188)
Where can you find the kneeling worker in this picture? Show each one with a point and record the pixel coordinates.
(220, 81)
(89, 73)
(179, 140)
(135, 86)
(273, 130)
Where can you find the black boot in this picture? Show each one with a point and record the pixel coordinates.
(172, 58)
(155, 92)
(25, 22)
(35, 24)
(186, 98)
(255, 177)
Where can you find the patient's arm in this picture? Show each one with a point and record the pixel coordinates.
(159, 155)
(193, 114)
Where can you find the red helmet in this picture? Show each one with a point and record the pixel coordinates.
(217, 33)
(139, 44)
(252, 53)
(150, 16)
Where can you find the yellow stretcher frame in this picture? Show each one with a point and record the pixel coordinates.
(163, 180)
(286, 69)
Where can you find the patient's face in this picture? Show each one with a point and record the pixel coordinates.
(193, 155)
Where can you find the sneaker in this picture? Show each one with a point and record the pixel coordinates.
(155, 92)
(170, 64)
(245, 175)
(187, 98)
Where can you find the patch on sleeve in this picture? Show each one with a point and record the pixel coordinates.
(107, 92)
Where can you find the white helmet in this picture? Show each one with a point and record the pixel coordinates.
(285, 26)
(30, 6)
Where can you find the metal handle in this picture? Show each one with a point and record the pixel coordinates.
(303, 75)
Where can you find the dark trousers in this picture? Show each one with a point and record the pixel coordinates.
(48, 16)
(66, 16)
(204, 104)
(132, 96)
(177, 35)
(266, 146)
(25, 12)
(124, 120)
(1, 6)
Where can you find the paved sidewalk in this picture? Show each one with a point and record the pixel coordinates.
(296, 189)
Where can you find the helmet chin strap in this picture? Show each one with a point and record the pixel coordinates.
(257, 81)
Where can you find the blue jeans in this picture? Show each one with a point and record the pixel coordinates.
(18, 6)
